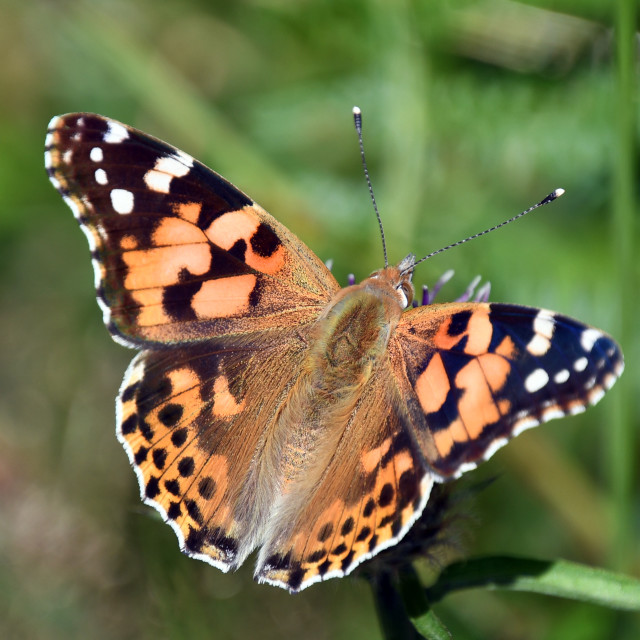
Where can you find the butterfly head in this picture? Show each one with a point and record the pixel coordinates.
(398, 279)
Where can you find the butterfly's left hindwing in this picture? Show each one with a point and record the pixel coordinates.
(483, 373)
(179, 253)
(192, 421)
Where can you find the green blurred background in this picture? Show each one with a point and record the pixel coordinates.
(472, 112)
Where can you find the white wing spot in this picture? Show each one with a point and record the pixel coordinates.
(493, 447)
(609, 381)
(595, 395)
(93, 246)
(175, 165)
(543, 326)
(544, 323)
(580, 364)
(96, 154)
(158, 181)
(73, 205)
(588, 338)
(185, 158)
(101, 176)
(524, 423)
(538, 345)
(552, 413)
(561, 376)
(122, 200)
(536, 380)
(115, 133)
(165, 169)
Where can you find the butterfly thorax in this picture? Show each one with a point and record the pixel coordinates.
(352, 334)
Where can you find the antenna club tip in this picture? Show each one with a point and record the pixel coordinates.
(356, 111)
(558, 192)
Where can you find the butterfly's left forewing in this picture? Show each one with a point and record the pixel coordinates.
(482, 373)
(179, 253)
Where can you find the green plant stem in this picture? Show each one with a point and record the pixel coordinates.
(622, 448)
(394, 622)
(558, 578)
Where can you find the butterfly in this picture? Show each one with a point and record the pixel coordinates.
(270, 409)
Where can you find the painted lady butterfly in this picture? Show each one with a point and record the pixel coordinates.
(269, 408)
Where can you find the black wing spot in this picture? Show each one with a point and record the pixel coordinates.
(347, 527)
(264, 241)
(369, 507)
(316, 556)
(130, 392)
(239, 250)
(324, 567)
(159, 456)
(173, 487)
(363, 534)
(177, 298)
(171, 414)
(386, 495)
(195, 539)
(207, 487)
(459, 323)
(347, 560)
(325, 532)
(174, 511)
(152, 488)
(194, 511)
(179, 437)
(141, 455)
(295, 578)
(407, 488)
(129, 425)
(186, 466)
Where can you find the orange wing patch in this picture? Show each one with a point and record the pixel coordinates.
(432, 385)
(263, 253)
(224, 297)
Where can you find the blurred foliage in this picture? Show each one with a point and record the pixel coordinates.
(473, 110)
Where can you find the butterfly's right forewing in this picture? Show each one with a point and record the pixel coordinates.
(482, 373)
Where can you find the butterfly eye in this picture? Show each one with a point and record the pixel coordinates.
(406, 294)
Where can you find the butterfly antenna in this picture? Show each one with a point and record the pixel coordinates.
(357, 119)
(550, 198)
